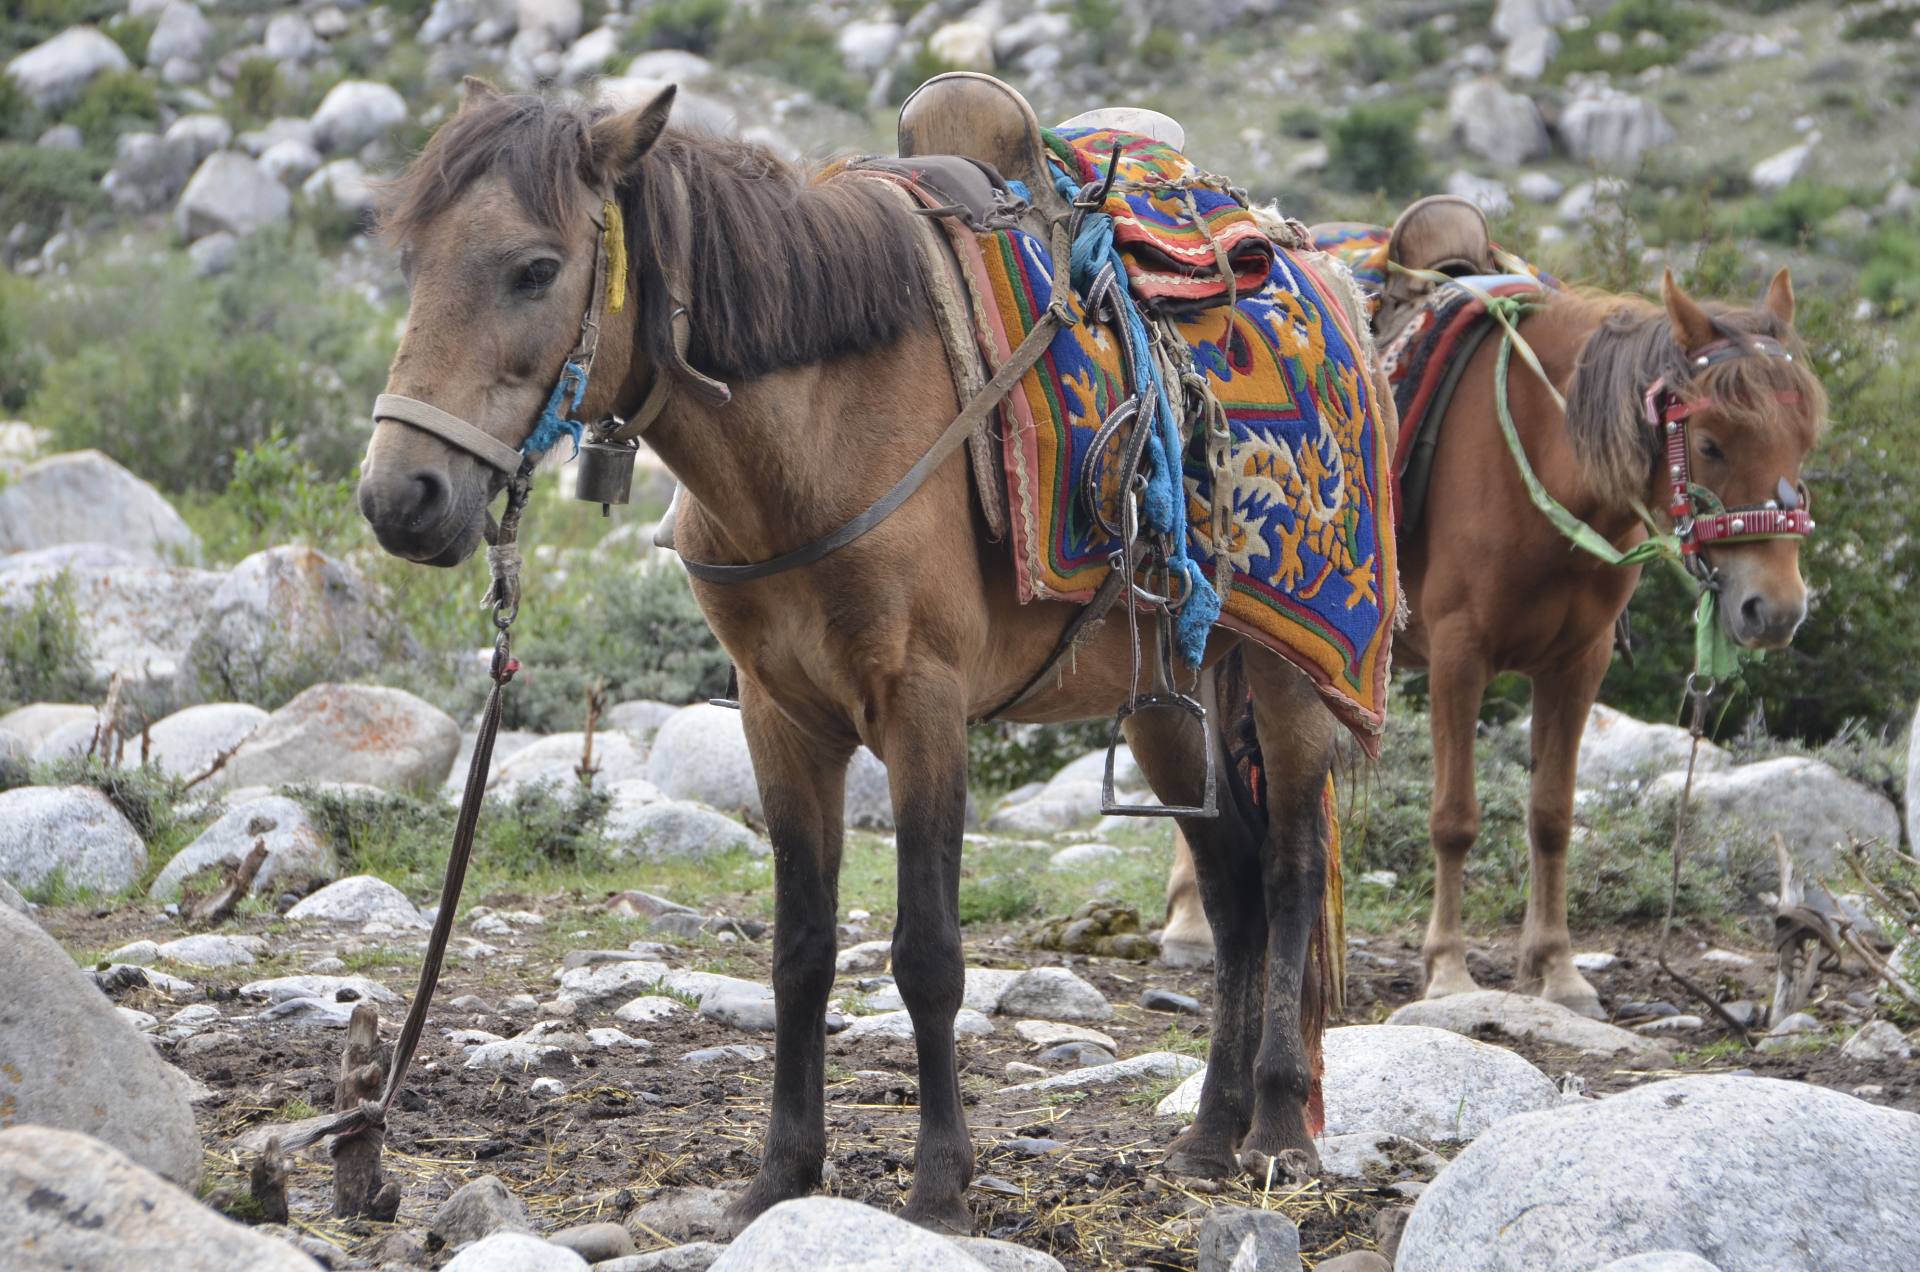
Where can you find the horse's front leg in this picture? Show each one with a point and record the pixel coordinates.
(923, 726)
(802, 784)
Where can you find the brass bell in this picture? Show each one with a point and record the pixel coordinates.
(606, 472)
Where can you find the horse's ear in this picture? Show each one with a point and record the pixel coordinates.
(476, 91)
(620, 140)
(1691, 326)
(1779, 298)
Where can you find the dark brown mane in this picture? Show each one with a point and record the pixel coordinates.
(1632, 345)
(788, 266)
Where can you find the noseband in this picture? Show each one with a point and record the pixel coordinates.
(1699, 518)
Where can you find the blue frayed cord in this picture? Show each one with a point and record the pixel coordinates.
(1165, 505)
(553, 423)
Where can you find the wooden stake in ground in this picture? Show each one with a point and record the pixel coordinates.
(358, 1187)
(218, 908)
(267, 1181)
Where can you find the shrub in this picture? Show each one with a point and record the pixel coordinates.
(1002, 756)
(1102, 29)
(694, 25)
(113, 102)
(1371, 55)
(1678, 26)
(1791, 215)
(43, 650)
(211, 367)
(1891, 276)
(40, 187)
(132, 34)
(258, 92)
(1375, 146)
(275, 496)
(17, 115)
(799, 52)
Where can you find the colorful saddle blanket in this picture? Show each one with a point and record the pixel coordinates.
(1313, 573)
(1363, 250)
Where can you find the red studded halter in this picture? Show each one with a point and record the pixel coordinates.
(1699, 518)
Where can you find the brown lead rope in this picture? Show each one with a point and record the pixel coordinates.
(504, 597)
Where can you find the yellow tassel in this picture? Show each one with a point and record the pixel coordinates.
(1334, 901)
(615, 238)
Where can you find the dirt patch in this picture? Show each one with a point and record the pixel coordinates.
(633, 1121)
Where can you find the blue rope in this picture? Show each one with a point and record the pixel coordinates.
(1165, 503)
(553, 423)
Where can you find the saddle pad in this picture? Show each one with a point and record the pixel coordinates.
(1172, 258)
(1424, 362)
(1312, 554)
(1363, 250)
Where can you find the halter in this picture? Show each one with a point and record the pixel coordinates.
(1699, 518)
(608, 296)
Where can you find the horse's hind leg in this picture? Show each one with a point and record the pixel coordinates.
(802, 788)
(1297, 738)
(1226, 862)
(1561, 701)
(1187, 940)
(923, 723)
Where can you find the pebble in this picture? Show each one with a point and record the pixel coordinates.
(1234, 1238)
(732, 1053)
(1355, 1261)
(749, 1008)
(1047, 1033)
(1877, 1040)
(1167, 1000)
(477, 1209)
(1152, 1066)
(1670, 1025)
(863, 959)
(1075, 1055)
(1594, 961)
(1029, 1146)
(609, 1039)
(1645, 1011)
(520, 1005)
(327, 967)
(548, 1087)
(472, 1004)
(1023, 1071)
(647, 1009)
(1727, 958)
(595, 1242)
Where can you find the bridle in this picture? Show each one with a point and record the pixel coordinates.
(1699, 517)
(608, 296)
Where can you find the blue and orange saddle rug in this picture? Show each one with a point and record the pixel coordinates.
(1312, 569)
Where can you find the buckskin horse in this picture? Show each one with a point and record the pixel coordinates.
(802, 289)
(1703, 413)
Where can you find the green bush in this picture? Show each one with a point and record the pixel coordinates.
(694, 25)
(634, 631)
(1371, 55)
(1002, 756)
(275, 496)
(1679, 27)
(1891, 276)
(20, 354)
(1791, 215)
(1375, 146)
(210, 367)
(43, 650)
(258, 93)
(795, 50)
(1102, 29)
(132, 34)
(114, 102)
(39, 187)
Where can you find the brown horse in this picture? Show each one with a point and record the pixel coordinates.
(1494, 587)
(803, 290)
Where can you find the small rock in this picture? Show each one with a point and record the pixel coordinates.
(1233, 1239)
(595, 1242)
(899, 1025)
(696, 1256)
(1152, 1066)
(863, 959)
(1047, 1033)
(1670, 1025)
(343, 989)
(1167, 1000)
(1053, 993)
(743, 1009)
(1374, 1155)
(212, 950)
(1522, 1017)
(682, 1213)
(476, 1210)
(1075, 1055)
(548, 1088)
(647, 1009)
(1597, 961)
(515, 1252)
(1877, 1040)
(359, 899)
(827, 1234)
(732, 1054)
(1727, 958)
(516, 1055)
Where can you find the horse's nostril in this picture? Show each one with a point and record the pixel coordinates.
(1752, 612)
(429, 490)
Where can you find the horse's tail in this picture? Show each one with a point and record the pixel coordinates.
(1323, 982)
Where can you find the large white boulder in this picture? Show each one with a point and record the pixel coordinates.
(182, 32)
(298, 856)
(56, 71)
(290, 38)
(557, 19)
(1501, 126)
(554, 760)
(36, 722)
(344, 184)
(348, 733)
(85, 497)
(1493, 1013)
(188, 742)
(1611, 129)
(827, 1234)
(1615, 748)
(136, 616)
(1428, 1085)
(359, 899)
(1752, 1174)
(355, 112)
(1812, 806)
(673, 830)
(233, 193)
(72, 834)
(69, 1201)
(72, 1062)
(1515, 18)
(289, 615)
(701, 754)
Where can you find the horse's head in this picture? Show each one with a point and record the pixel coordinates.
(1749, 421)
(498, 221)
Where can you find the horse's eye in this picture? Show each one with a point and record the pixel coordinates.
(539, 274)
(1711, 449)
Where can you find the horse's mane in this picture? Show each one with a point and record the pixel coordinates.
(1631, 346)
(787, 265)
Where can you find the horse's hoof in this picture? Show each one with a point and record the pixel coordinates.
(763, 1195)
(1199, 1161)
(1185, 954)
(1445, 984)
(1587, 1004)
(949, 1217)
(1289, 1168)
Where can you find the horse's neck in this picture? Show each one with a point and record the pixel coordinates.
(1566, 332)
